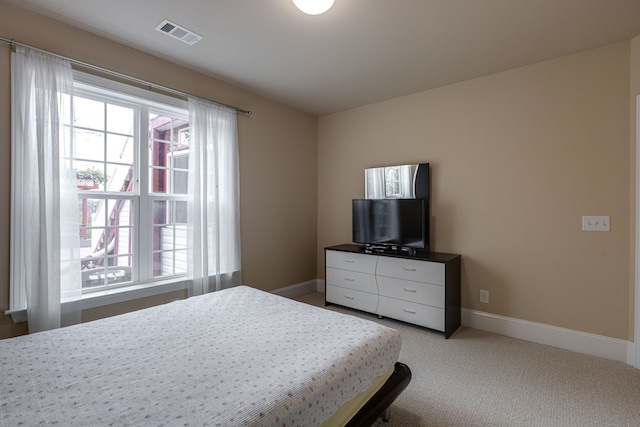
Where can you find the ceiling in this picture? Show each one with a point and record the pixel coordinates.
(360, 51)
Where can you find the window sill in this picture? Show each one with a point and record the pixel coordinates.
(18, 316)
(113, 296)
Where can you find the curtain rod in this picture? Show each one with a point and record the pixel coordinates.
(151, 85)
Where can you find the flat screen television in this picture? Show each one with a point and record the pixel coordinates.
(391, 222)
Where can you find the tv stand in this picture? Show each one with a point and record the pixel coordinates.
(422, 288)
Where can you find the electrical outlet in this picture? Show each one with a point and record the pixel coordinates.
(484, 296)
(596, 223)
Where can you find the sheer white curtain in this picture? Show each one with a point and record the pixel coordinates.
(45, 261)
(405, 178)
(214, 198)
(375, 183)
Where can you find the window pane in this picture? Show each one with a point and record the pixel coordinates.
(93, 277)
(120, 149)
(89, 176)
(169, 238)
(105, 240)
(167, 212)
(180, 264)
(93, 254)
(169, 141)
(179, 173)
(172, 257)
(89, 209)
(158, 167)
(160, 212)
(168, 129)
(179, 212)
(118, 274)
(184, 138)
(119, 213)
(65, 109)
(122, 261)
(119, 269)
(169, 172)
(120, 119)
(88, 113)
(160, 128)
(168, 263)
(120, 178)
(107, 276)
(88, 145)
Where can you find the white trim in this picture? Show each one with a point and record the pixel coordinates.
(114, 296)
(129, 293)
(568, 339)
(540, 333)
(297, 290)
(635, 348)
(126, 91)
(18, 316)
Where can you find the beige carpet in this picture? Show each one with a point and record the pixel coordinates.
(477, 378)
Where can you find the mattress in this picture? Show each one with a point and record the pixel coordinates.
(238, 357)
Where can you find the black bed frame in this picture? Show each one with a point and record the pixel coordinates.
(380, 403)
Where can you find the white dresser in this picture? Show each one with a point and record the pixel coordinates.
(423, 289)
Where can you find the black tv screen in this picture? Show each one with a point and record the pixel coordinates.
(397, 222)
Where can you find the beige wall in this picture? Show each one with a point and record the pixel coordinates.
(278, 158)
(516, 159)
(633, 134)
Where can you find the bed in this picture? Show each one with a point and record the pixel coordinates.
(238, 357)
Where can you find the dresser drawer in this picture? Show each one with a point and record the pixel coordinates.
(408, 269)
(352, 280)
(355, 299)
(351, 261)
(418, 314)
(406, 290)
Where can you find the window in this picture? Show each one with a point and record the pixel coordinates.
(392, 182)
(131, 157)
(109, 174)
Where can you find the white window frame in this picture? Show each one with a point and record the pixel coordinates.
(145, 286)
(142, 285)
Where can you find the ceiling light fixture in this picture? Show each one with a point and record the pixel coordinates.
(313, 7)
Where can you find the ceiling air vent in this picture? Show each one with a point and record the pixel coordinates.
(176, 31)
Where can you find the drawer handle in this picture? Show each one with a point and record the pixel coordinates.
(408, 269)
(350, 261)
(408, 311)
(410, 290)
(349, 279)
(349, 297)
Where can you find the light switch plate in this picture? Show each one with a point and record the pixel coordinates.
(596, 223)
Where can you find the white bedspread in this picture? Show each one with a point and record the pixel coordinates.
(238, 357)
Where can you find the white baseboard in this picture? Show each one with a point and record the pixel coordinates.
(568, 339)
(297, 290)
